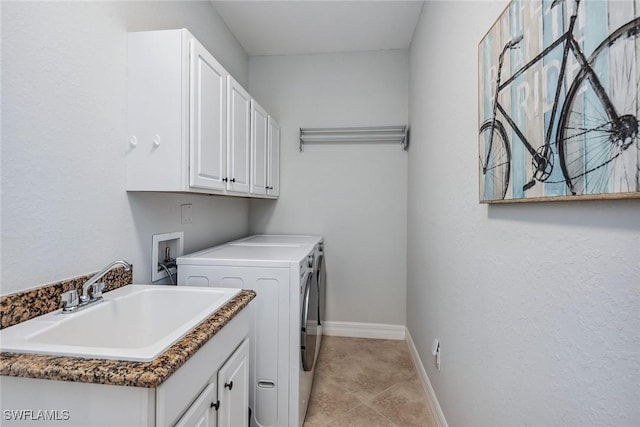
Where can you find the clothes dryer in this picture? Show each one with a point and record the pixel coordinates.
(281, 368)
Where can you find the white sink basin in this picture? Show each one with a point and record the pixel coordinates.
(135, 322)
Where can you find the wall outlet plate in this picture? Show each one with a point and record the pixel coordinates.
(186, 212)
(436, 351)
(175, 243)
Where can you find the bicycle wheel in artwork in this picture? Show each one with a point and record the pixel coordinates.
(558, 102)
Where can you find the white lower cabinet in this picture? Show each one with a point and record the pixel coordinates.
(189, 397)
(225, 402)
(201, 413)
(212, 388)
(233, 389)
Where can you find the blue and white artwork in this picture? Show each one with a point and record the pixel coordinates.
(558, 101)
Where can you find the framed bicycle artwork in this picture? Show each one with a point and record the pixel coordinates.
(558, 102)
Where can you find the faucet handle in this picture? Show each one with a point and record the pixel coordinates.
(96, 290)
(69, 300)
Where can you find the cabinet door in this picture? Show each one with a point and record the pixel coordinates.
(233, 389)
(207, 120)
(273, 159)
(239, 136)
(259, 136)
(202, 412)
(157, 110)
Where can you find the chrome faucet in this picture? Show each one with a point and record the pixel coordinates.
(70, 299)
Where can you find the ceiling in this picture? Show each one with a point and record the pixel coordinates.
(308, 26)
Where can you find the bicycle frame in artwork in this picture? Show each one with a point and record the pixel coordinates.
(559, 83)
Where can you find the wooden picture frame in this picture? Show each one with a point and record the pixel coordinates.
(558, 105)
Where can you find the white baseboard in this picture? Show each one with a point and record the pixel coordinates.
(436, 410)
(364, 330)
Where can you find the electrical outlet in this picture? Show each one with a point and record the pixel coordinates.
(169, 245)
(187, 213)
(436, 351)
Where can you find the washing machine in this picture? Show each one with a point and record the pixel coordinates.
(319, 269)
(284, 327)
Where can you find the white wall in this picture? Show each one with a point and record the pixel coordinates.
(354, 195)
(65, 211)
(537, 305)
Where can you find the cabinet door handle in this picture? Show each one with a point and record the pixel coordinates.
(229, 385)
(215, 405)
(225, 179)
(232, 180)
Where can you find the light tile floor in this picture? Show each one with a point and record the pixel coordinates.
(368, 383)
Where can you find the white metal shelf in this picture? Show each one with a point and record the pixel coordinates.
(371, 134)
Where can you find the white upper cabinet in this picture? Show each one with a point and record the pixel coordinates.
(176, 114)
(239, 136)
(273, 159)
(259, 137)
(208, 120)
(191, 126)
(157, 111)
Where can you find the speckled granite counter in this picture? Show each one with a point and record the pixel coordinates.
(22, 306)
(125, 373)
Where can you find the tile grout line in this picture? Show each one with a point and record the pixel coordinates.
(393, 424)
(336, 416)
(384, 416)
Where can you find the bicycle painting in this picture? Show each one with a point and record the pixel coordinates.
(558, 101)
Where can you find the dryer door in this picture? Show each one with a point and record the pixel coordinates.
(309, 322)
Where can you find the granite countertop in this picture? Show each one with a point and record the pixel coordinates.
(124, 373)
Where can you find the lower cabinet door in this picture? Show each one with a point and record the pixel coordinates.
(233, 389)
(202, 412)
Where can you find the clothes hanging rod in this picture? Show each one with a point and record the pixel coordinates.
(391, 134)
